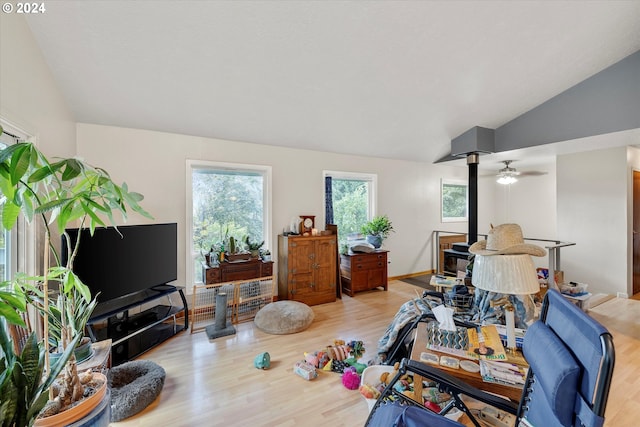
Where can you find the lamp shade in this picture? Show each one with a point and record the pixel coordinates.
(505, 274)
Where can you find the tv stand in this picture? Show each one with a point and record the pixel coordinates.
(133, 330)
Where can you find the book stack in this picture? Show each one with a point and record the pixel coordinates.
(503, 373)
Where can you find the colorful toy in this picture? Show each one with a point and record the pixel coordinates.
(319, 359)
(351, 379)
(305, 370)
(369, 392)
(262, 361)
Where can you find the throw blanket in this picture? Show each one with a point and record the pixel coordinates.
(408, 312)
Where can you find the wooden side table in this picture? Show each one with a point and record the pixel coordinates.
(363, 271)
(473, 378)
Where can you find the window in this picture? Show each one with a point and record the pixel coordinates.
(455, 201)
(226, 200)
(353, 200)
(8, 239)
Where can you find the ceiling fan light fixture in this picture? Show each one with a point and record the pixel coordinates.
(507, 175)
(506, 179)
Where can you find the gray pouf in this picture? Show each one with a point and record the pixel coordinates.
(284, 317)
(134, 385)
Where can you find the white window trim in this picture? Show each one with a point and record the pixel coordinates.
(443, 182)
(25, 257)
(192, 165)
(359, 176)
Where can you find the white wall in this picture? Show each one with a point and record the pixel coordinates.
(30, 98)
(592, 212)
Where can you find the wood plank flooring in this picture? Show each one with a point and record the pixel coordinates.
(214, 383)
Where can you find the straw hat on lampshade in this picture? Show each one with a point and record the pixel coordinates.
(505, 239)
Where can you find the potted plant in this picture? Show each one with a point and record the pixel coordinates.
(60, 193)
(253, 247)
(377, 230)
(265, 254)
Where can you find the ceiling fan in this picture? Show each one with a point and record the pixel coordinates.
(508, 175)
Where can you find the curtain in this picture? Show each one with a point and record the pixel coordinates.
(328, 200)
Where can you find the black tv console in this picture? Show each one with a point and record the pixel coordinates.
(135, 324)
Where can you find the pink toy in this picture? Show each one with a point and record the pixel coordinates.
(350, 379)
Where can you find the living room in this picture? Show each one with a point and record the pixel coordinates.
(153, 159)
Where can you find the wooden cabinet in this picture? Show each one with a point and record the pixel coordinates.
(363, 272)
(444, 243)
(240, 270)
(307, 269)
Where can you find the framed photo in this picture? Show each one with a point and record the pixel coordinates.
(454, 196)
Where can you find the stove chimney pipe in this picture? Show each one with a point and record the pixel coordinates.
(472, 161)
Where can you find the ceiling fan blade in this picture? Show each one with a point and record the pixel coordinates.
(533, 173)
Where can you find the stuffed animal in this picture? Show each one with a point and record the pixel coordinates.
(350, 379)
(262, 361)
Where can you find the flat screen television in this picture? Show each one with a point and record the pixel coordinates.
(118, 265)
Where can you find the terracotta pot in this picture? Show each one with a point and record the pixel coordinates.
(78, 411)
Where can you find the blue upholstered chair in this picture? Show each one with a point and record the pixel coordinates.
(571, 358)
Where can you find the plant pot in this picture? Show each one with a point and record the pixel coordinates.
(82, 352)
(238, 257)
(78, 411)
(376, 241)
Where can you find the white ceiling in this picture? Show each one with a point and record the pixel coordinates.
(394, 79)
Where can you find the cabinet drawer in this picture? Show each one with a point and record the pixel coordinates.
(369, 265)
(213, 275)
(267, 269)
(372, 257)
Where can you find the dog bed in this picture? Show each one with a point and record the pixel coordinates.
(134, 385)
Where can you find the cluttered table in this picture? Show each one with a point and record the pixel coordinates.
(467, 370)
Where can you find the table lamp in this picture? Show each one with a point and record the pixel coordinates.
(507, 275)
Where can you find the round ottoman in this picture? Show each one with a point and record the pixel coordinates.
(284, 317)
(134, 385)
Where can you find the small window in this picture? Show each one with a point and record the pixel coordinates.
(455, 201)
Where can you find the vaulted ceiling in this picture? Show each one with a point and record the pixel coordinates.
(393, 79)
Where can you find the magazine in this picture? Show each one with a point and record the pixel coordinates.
(484, 346)
(503, 373)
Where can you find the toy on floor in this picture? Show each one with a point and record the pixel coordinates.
(305, 370)
(337, 357)
(350, 378)
(262, 361)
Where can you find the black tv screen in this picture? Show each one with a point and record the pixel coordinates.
(137, 258)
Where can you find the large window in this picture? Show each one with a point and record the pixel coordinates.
(227, 200)
(353, 199)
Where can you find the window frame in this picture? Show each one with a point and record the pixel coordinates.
(371, 178)
(443, 183)
(193, 165)
(24, 254)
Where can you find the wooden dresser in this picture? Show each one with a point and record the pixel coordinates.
(363, 271)
(307, 268)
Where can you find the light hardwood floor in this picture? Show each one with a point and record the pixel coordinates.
(214, 383)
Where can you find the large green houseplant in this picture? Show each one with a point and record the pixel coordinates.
(377, 230)
(57, 194)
